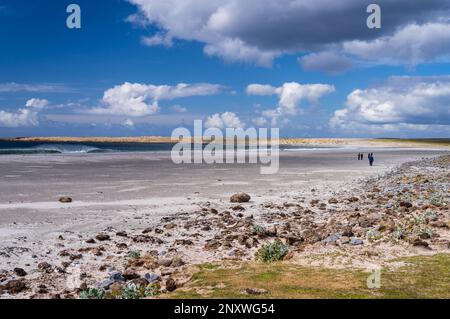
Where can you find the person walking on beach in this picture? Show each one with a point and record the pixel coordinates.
(371, 159)
(359, 156)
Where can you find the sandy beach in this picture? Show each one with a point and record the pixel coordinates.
(173, 216)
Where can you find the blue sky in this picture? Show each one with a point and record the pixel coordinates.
(118, 74)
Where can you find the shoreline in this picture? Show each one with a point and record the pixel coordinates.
(312, 220)
(381, 142)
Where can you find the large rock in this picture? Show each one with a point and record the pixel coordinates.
(20, 272)
(65, 199)
(240, 198)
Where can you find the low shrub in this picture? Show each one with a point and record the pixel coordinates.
(272, 252)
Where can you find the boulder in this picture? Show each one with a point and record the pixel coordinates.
(20, 272)
(240, 198)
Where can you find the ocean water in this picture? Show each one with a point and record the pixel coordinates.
(23, 148)
(17, 147)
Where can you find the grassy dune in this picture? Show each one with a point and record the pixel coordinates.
(421, 277)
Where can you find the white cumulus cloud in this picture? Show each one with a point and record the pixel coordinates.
(224, 120)
(135, 99)
(37, 103)
(290, 96)
(23, 117)
(412, 44)
(402, 102)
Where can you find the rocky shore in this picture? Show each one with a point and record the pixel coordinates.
(402, 213)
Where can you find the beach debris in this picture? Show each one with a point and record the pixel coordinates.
(240, 198)
(65, 199)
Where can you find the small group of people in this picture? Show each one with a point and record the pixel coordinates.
(370, 157)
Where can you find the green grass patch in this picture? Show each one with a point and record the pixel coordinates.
(420, 277)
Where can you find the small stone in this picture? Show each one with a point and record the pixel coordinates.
(90, 241)
(405, 204)
(117, 277)
(177, 262)
(240, 198)
(65, 199)
(83, 287)
(140, 282)
(170, 226)
(44, 266)
(333, 201)
(255, 291)
(171, 285)
(122, 234)
(331, 239)
(356, 242)
(353, 199)
(417, 242)
(106, 284)
(20, 272)
(152, 278)
(75, 256)
(102, 237)
(439, 224)
(238, 208)
(129, 275)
